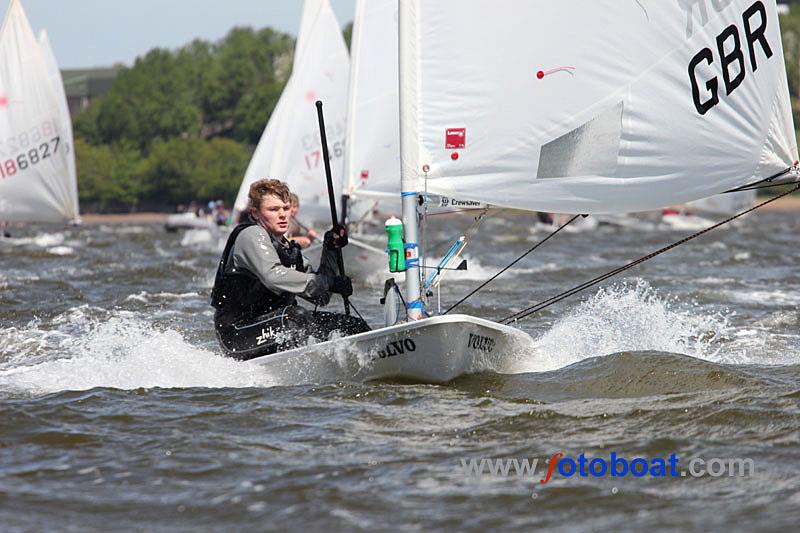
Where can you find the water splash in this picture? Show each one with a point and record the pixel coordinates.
(120, 350)
(626, 317)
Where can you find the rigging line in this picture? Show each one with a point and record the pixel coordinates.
(765, 180)
(535, 246)
(453, 211)
(359, 314)
(486, 212)
(557, 298)
(468, 235)
(754, 188)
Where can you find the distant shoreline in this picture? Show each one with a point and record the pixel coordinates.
(785, 204)
(91, 219)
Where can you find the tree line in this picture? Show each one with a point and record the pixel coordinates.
(180, 125)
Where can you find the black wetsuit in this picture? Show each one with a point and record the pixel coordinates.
(252, 320)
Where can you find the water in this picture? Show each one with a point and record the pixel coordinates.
(117, 410)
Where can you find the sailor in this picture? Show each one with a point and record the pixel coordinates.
(297, 232)
(261, 273)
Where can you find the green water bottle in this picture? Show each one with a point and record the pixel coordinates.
(395, 248)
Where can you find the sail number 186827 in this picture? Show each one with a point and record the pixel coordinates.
(29, 158)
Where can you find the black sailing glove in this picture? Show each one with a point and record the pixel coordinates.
(335, 238)
(342, 285)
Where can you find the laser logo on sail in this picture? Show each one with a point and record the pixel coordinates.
(455, 138)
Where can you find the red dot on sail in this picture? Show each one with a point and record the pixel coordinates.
(540, 74)
(3, 101)
(454, 156)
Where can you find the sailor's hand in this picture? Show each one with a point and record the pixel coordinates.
(335, 238)
(342, 285)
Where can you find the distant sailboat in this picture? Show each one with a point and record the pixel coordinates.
(37, 161)
(371, 178)
(372, 158)
(289, 149)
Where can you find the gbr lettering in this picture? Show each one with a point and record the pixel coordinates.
(731, 57)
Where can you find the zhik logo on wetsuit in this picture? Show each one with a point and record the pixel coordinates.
(265, 335)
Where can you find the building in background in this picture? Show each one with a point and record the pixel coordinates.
(83, 85)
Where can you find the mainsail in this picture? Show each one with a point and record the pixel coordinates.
(592, 107)
(37, 180)
(372, 158)
(290, 148)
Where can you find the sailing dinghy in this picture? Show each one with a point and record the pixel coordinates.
(37, 163)
(658, 103)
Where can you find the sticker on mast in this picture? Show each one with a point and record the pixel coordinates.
(455, 138)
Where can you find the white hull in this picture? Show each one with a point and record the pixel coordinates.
(432, 350)
(178, 221)
(686, 222)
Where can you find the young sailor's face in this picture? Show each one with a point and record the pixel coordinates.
(276, 214)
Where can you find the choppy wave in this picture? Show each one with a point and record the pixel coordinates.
(90, 348)
(624, 318)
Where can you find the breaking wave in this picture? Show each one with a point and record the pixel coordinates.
(87, 348)
(630, 317)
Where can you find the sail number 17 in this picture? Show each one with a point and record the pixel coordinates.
(31, 157)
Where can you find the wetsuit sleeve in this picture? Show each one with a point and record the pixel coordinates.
(254, 252)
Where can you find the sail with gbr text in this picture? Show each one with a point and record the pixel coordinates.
(592, 107)
(37, 180)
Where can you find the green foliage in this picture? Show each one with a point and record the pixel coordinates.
(176, 126)
(790, 34)
(109, 176)
(348, 34)
(152, 100)
(180, 170)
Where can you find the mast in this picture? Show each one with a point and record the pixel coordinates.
(409, 151)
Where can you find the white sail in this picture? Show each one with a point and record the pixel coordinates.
(592, 107)
(35, 147)
(71, 180)
(290, 148)
(372, 159)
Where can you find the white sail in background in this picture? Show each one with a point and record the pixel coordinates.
(71, 180)
(372, 159)
(35, 145)
(290, 148)
(592, 107)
